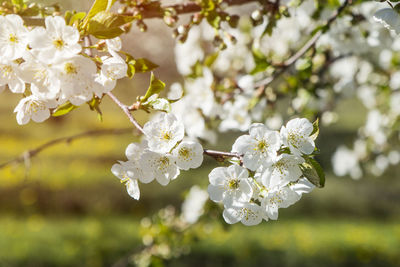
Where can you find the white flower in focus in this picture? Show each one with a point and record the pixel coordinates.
(193, 206)
(134, 150)
(188, 155)
(12, 37)
(32, 107)
(159, 166)
(296, 135)
(123, 170)
(56, 41)
(389, 18)
(257, 147)
(112, 69)
(43, 79)
(282, 170)
(248, 213)
(229, 185)
(163, 132)
(11, 75)
(77, 79)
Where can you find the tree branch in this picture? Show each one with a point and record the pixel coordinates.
(149, 12)
(33, 152)
(308, 45)
(126, 110)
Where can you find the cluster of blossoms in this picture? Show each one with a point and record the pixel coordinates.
(270, 176)
(48, 66)
(161, 155)
(356, 59)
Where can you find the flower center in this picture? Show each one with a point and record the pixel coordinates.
(5, 70)
(262, 146)
(59, 44)
(70, 68)
(184, 153)
(234, 184)
(12, 38)
(167, 135)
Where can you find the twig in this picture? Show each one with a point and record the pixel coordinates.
(125, 109)
(149, 12)
(28, 154)
(310, 43)
(215, 153)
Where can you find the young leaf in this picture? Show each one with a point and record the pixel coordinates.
(94, 105)
(63, 109)
(313, 172)
(315, 132)
(98, 6)
(144, 65)
(156, 86)
(105, 25)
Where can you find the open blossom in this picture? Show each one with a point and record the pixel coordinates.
(114, 45)
(43, 79)
(32, 107)
(13, 41)
(188, 155)
(163, 132)
(257, 147)
(76, 76)
(248, 213)
(56, 40)
(229, 184)
(125, 172)
(112, 69)
(284, 197)
(159, 166)
(282, 170)
(296, 135)
(11, 75)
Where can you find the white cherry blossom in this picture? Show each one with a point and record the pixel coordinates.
(188, 155)
(56, 40)
(296, 135)
(112, 69)
(282, 170)
(13, 41)
(193, 206)
(248, 213)
(163, 132)
(34, 108)
(43, 79)
(159, 166)
(258, 147)
(10, 74)
(229, 184)
(124, 171)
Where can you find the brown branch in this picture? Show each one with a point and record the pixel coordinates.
(215, 153)
(308, 45)
(126, 110)
(149, 12)
(68, 139)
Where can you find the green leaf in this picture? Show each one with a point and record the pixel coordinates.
(156, 86)
(260, 60)
(144, 65)
(106, 25)
(210, 59)
(94, 105)
(63, 109)
(77, 17)
(313, 172)
(97, 7)
(315, 132)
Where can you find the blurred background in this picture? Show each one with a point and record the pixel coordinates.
(67, 209)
